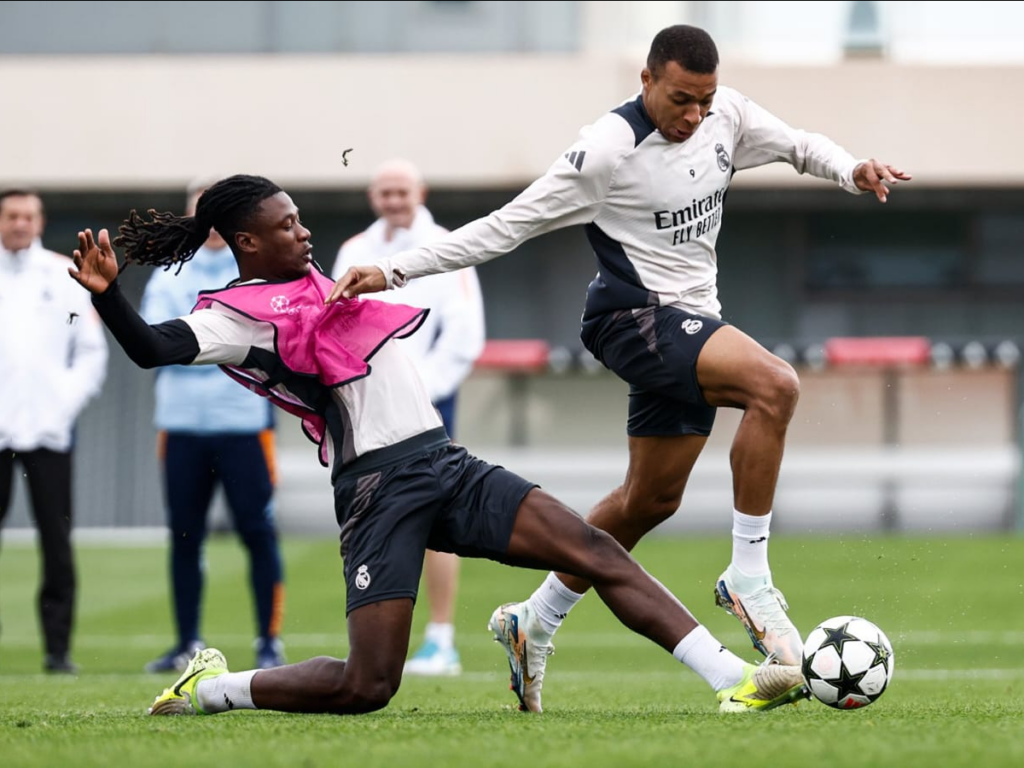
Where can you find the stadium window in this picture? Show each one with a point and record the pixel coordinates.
(864, 30)
(999, 241)
(858, 252)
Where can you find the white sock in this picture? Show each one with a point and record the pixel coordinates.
(226, 692)
(442, 635)
(551, 603)
(750, 543)
(720, 667)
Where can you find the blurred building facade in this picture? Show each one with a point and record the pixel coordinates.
(109, 107)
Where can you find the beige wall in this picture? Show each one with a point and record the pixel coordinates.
(959, 410)
(148, 122)
(955, 468)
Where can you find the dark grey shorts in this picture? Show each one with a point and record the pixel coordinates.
(654, 350)
(444, 499)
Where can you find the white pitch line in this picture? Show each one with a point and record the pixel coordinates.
(918, 675)
(568, 640)
(737, 639)
(24, 538)
(154, 642)
(945, 637)
(933, 675)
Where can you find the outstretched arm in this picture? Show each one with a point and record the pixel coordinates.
(554, 201)
(557, 200)
(148, 346)
(765, 138)
(570, 193)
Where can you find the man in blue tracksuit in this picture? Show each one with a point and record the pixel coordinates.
(213, 431)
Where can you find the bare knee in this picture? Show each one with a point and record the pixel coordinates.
(778, 392)
(647, 507)
(369, 696)
(350, 692)
(603, 556)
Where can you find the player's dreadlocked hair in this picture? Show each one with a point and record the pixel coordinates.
(165, 240)
(690, 47)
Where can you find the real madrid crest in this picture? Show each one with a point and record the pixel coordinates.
(362, 577)
(724, 161)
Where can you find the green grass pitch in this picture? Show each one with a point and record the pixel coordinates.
(952, 608)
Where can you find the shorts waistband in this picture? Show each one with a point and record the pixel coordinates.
(425, 442)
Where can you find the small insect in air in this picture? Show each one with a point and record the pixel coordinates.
(344, 157)
(71, 317)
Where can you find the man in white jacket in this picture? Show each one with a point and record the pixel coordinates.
(443, 351)
(53, 355)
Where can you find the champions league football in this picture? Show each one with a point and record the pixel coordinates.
(847, 662)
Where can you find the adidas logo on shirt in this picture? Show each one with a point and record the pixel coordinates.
(576, 159)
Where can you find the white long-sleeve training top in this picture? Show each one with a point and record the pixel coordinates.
(452, 337)
(53, 352)
(652, 208)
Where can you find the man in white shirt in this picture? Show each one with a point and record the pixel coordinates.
(443, 351)
(649, 180)
(53, 355)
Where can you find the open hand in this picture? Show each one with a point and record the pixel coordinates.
(355, 281)
(872, 176)
(95, 264)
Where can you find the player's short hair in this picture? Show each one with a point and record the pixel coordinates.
(690, 47)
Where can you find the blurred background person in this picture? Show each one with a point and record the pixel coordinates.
(444, 352)
(213, 432)
(53, 358)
